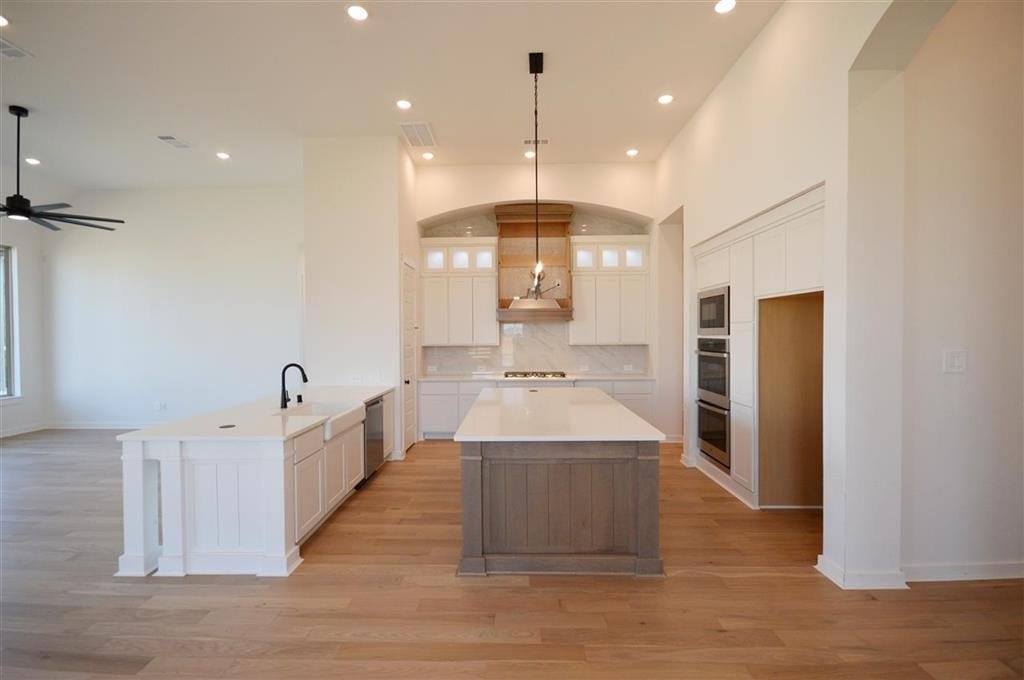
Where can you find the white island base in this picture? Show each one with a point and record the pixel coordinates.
(201, 498)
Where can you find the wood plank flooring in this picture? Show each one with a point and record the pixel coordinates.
(377, 595)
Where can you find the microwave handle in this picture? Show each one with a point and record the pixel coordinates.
(719, 411)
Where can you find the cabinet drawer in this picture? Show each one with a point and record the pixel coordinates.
(475, 387)
(634, 387)
(308, 443)
(446, 387)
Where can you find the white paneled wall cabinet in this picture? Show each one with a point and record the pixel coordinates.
(610, 291)
(460, 292)
(780, 252)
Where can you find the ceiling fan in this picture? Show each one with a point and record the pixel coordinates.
(18, 207)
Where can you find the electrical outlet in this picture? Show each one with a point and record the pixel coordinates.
(431, 369)
(954, 361)
(161, 406)
(584, 368)
(628, 368)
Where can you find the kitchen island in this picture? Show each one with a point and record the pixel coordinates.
(238, 490)
(558, 480)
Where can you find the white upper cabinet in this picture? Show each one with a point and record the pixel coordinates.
(741, 282)
(609, 311)
(584, 258)
(611, 257)
(435, 260)
(805, 245)
(635, 257)
(460, 292)
(435, 311)
(483, 259)
(633, 302)
(485, 315)
(460, 311)
(713, 269)
(583, 327)
(770, 262)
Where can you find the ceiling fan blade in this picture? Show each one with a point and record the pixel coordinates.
(56, 215)
(81, 224)
(51, 206)
(44, 223)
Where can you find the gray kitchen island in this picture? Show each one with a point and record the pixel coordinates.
(558, 480)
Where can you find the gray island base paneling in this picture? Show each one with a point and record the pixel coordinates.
(560, 507)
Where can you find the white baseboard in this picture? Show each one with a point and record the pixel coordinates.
(674, 438)
(861, 580)
(24, 429)
(726, 482)
(971, 571)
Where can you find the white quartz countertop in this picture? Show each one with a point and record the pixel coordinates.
(556, 414)
(263, 419)
(498, 377)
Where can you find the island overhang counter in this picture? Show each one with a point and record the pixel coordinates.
(559, 480)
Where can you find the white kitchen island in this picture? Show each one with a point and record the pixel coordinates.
(561, 480)
(238, 490)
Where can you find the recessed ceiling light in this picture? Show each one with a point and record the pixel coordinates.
(358, 13)
(632, 153)
(725, 6)
(3, 22)
(404, 104)
(530, 154)
(665, 99)
(428, 156)
(32, 161)
(223, 155)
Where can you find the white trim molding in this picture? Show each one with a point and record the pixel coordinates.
(971, 571)
(861, 580)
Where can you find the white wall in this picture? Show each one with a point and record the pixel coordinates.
(30, 410)
(352, 261)
(775, 126)
(626, 186)
(963, 506)
(194, 303)
(667, 346)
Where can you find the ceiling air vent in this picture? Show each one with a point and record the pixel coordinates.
(174, 141)
(418, 135)
(529, 142)
(9, 49)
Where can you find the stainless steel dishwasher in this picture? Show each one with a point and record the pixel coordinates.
(373, 434)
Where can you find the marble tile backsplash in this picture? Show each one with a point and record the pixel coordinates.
(535, 347)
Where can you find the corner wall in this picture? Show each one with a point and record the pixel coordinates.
(963, 463)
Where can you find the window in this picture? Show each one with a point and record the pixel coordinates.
(6, 323)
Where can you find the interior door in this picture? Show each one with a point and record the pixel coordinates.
(409, 423)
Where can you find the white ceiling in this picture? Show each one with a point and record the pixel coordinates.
(254, 78)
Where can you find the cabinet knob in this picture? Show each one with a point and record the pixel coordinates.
(406, 382)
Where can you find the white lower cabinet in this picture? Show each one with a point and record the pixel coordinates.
(439, 407)
(334, 470)
(741, 445)
(309, 493)
(389, 423)
(353, 442)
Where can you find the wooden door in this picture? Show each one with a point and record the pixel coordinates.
(789, 402)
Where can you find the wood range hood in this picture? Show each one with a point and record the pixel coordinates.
(517, 257)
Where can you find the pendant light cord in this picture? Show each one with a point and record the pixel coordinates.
(536, 179)
(17, 160)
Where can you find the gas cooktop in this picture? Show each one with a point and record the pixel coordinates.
(535, 374)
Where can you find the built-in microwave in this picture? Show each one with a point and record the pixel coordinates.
(713, 307)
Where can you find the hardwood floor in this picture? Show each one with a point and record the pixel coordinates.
(377, 595)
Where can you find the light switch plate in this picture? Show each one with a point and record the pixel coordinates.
(954, 361)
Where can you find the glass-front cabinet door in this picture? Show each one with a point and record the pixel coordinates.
(435, 259)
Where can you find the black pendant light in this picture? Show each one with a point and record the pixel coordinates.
(536, 68)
